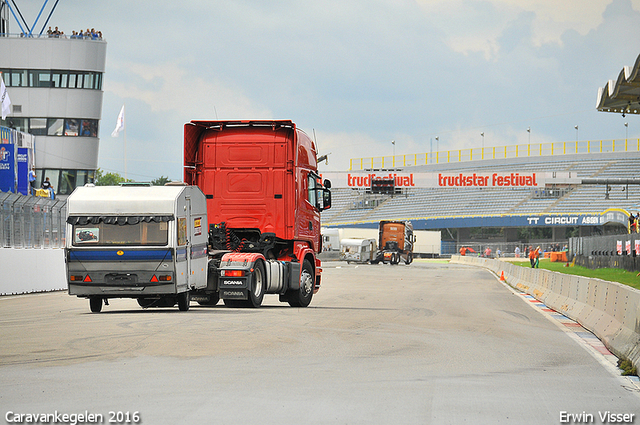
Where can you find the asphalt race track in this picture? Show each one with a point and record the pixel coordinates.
(429, 343)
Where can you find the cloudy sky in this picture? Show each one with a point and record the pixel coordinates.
(357, 73)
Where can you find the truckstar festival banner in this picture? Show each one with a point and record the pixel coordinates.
(363, 180)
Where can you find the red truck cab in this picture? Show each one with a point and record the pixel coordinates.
(264, 197)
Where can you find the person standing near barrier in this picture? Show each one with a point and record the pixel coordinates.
(537, 256)
(32, 181)
(532, 258)
(517, 252)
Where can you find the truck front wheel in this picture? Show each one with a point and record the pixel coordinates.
(409, 259)
(302, 297)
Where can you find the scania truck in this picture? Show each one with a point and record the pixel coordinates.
(395, 242)
(264, 197)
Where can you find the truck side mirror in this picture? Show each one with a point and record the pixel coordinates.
(324, 199)
(327, 183)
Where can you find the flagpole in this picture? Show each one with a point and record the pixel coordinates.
(125, 146)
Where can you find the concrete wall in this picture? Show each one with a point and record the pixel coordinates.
(608, 309)
(31, 270)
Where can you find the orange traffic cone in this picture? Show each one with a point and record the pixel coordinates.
(502, 276)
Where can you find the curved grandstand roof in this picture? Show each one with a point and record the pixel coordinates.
(623, 94)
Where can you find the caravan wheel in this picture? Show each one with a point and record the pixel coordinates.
(95, 304)
(184, 299)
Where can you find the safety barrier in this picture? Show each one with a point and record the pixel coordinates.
(496, 152)
(608, 309)
(32, 236)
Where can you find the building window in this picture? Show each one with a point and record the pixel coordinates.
(54, 126)
(64, 182)
(38, 126)
(89, 128)
(52, 79)
(70, 127)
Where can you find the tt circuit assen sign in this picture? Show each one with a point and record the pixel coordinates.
(363, 180)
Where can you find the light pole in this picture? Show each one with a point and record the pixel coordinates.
(393, 161)
(576, 127)
(529, 131)
(626, 131)
(437, 143)
(482, 151)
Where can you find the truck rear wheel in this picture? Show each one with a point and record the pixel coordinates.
(258, 285)
(302, 297)
(184, 299)
(95, 304)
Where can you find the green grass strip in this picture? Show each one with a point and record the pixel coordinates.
(612, 275)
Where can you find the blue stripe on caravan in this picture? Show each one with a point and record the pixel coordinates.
(120, 255)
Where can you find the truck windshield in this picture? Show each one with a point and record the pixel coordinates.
(103, 234)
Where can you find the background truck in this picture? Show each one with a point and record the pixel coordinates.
(264, 199)
(147, 243)
(395, 242)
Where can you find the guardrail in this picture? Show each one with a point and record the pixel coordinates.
(496, 152)
(608, 309)
(31, 221)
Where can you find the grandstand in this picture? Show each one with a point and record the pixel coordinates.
(466, 207)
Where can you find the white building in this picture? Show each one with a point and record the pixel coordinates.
(55, 86)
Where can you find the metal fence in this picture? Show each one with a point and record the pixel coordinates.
(31, 221)
(497, 152)
(615, 251)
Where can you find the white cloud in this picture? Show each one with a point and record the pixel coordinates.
(474, 26)
(169, 87)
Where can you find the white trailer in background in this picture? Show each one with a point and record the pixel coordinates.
(427, 244)
(358, 250)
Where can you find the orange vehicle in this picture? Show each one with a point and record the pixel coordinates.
(264, 199)
(395, 241)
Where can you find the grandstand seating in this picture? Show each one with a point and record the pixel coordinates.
(425, 203)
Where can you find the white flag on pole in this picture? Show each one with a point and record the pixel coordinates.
(119, 123)
(6, 102)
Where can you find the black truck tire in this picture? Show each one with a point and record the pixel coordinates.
(302, 297)
(409, 258)
(258, 285)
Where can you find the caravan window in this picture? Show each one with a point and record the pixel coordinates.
(131, 231)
